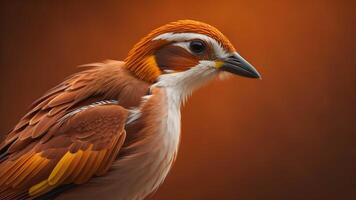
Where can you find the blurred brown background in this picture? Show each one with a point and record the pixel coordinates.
(289, 136)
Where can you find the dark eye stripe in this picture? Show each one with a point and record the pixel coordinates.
(175, 58)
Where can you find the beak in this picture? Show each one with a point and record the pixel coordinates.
(238, 65)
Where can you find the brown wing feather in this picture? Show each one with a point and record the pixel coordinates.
(71, 166)
(103, 81)
(38, 144)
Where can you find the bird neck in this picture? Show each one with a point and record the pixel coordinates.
(180, 85)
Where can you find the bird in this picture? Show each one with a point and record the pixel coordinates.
(112, 130)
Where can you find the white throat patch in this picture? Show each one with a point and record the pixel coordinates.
(184, 83)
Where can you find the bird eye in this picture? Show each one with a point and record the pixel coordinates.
(197, 46)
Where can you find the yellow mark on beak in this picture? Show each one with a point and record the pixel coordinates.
(218, 64)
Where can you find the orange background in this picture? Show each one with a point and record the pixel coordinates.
(289, 136)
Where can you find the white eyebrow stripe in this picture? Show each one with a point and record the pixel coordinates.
(182, 37)
(184, 45)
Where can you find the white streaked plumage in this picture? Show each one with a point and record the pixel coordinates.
(134, 115)
(83, 108)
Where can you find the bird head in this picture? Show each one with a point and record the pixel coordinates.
(188, 52)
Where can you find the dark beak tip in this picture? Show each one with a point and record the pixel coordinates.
(255, 76)
(239, 66)
(250, 72)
